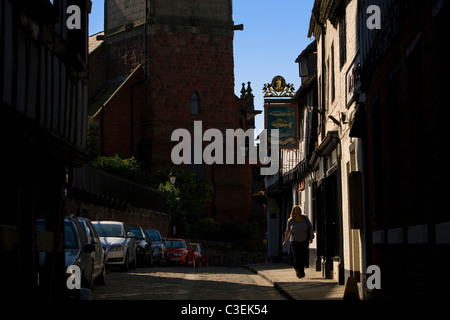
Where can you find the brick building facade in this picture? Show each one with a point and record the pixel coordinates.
(43, 99)
(379, 195)
(403, 77)
(168, 64)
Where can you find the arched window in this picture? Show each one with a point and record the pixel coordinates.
(194, 103)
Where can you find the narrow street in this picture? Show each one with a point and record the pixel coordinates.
(182, 283)
(268, 136)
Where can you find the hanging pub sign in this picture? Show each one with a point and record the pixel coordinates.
(284, 118)
(279, 114)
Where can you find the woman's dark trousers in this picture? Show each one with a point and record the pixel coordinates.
(300, 252)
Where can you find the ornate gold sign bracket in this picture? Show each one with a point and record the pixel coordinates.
(278, 88)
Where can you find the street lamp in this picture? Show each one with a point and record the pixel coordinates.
(172, 178)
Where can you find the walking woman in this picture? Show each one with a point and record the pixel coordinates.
(301, 234)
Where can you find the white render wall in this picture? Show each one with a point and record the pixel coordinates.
(350, 157)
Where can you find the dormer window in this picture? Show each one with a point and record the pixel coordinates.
(194, 103)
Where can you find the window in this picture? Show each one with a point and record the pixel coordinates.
(333, 90)
(342, 41)
(109, 230)
(320, 93)
(70, 238)
(194, 103)
(326, 80)
(137, 233)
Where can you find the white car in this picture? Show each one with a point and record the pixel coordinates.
(118, 242)
(99, 253)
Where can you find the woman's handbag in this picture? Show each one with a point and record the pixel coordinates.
(308, 235)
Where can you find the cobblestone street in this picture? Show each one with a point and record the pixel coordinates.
(182, 283)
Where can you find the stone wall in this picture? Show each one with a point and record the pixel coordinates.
(132, 216)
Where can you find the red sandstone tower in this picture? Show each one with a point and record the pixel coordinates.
(161, 65)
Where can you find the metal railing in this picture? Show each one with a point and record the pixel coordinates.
(97, 186)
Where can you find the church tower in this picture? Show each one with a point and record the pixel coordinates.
(174, 61)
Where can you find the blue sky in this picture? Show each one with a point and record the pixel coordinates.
(275, 33)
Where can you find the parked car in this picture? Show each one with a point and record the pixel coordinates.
(118, 242)
(144, 247)
(201, 257)
(179, 252)
(77, 252)
(158, 245)
(99, 253)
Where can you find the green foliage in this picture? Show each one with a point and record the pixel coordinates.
(191, 194)
(186, 199)
(126, 168)
(173, 203)
(194, 191)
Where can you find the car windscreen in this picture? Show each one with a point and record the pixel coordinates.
(153, 235)
(137, 233)
(70, 238)
(175, 244)
(109, 230)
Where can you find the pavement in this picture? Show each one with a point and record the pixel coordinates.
(312, 287)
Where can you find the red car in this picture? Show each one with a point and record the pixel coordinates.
(201, 257)
(179, 252)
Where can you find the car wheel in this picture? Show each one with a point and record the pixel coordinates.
(163, 261)
(87, 282)
(91, 280)
(102, 277)
(125, 266)
(134, 263)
